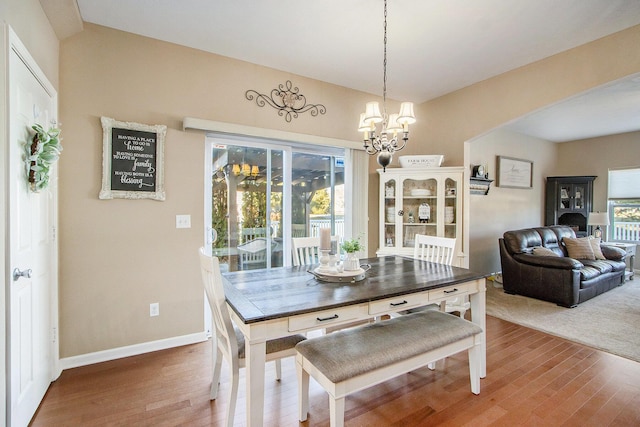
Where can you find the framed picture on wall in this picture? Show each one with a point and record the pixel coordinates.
(514, 173)
(132, 160)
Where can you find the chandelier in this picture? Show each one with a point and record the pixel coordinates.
(245, 168)
(385, 142)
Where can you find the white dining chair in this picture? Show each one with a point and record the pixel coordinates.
(253, 254)
(227, 341)
(250, 259)
(305, 250)
(440, 250)
(249, 234)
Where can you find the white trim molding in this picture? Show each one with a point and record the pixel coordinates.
(131, 350)
(192, 123)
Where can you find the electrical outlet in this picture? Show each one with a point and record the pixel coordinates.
(183, 221)
(154, 309)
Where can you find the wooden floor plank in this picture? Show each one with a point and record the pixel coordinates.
(533, 379)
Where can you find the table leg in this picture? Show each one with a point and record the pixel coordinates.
(255, 364)
(478, 316)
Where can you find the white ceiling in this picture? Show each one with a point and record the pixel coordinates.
(434, 46)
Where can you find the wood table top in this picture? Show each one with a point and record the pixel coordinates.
(260, 295)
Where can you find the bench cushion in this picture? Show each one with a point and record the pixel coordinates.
(352, 352)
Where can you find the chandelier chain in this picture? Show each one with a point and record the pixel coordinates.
(384, 66)
(388, 141)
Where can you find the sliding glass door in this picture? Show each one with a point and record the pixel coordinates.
(262, 195)
(317, 190)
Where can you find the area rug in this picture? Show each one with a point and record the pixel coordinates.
(608, 322)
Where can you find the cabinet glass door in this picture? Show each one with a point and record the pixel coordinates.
(450, 207)
(565, 196)
(578, 196)
(419, 208)
(390, 213)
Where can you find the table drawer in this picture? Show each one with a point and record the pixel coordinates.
(322, 319)
(449, 292)
(403, 302)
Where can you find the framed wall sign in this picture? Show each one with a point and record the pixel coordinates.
(514, 173)
(132, 160)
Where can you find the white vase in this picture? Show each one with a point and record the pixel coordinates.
(352, 262)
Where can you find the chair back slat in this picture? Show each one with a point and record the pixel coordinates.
(434, 249)
(306, 250)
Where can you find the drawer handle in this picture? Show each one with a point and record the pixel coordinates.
(451, 291)
(335, 316)
(395, 304)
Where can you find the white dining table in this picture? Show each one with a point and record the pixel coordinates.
(271, 303)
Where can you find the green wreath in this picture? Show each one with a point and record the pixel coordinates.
(44, 151)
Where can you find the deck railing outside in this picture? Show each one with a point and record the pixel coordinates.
(626, 231)
(322, 222)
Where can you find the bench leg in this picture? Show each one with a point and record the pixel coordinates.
(475, 362)
(336, 411)
(303, 390)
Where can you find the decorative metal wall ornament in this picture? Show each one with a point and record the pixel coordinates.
(287, 100)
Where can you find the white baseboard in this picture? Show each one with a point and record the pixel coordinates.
(131, 350)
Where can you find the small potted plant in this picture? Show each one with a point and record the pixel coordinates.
(352, 246)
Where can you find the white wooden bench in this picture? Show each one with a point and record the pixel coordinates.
(353, 359)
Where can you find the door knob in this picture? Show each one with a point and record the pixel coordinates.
(17, 273)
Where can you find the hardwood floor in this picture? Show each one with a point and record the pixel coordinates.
(533, 379)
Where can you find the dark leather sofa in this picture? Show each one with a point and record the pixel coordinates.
(559, 279)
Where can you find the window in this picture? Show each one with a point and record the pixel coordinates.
(624, 205)
(264, 193)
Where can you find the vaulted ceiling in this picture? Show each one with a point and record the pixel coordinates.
(434, 46)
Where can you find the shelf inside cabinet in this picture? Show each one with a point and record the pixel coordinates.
(479, 185)
(421, 197)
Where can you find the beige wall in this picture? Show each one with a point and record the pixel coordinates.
(118, 256)
(506, 208)
(595, 156)
(445, 123)
(29, 22)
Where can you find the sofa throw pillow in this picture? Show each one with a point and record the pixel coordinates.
(579, 248)
(542, 251)
(595, 246)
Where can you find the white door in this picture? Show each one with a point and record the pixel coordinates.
(32, 252)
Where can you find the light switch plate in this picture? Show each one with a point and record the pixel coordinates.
(183, 221)
(154, 309)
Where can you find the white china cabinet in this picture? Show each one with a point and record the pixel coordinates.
(420, 201)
